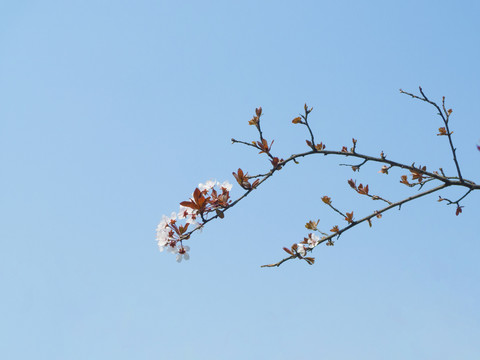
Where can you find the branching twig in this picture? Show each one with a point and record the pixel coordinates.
(305, 118)
(213, 205)
(355, 167)
(366, 218)
(445, 115)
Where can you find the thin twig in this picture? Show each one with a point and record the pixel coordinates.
(305, 117)
(366, 218)
(445, 121)
(417, 172)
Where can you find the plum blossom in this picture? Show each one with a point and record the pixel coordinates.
(185, 212)
(173, 230)
(301, 249)
(208, 185)
(162, 242)
(312, 240)
(166, 220)
(164, 232)
(188, 214)
(182, 253)
(226, 185)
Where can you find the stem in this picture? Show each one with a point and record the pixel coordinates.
(366, 218)
(445, 121)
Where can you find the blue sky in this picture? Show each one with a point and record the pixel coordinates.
(113, 112)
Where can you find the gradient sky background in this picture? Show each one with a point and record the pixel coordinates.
(111, 114)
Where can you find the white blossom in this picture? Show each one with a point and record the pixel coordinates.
(208, 185)
(187, 213)
(162, 242)
(226, 185)
(163, 231)
(182, 253)
(166, 220)
(301, 249)
(172, 248)
(312, 240)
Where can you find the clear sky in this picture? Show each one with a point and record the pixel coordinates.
(112, 112)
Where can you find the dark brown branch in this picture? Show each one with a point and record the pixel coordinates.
(336, 210)
(445, 179)
(445, 117)
(366, 218)
(355, 167)
(305, 117)
(450, 202)
(419, 174)
(234, 141)
(376, 197)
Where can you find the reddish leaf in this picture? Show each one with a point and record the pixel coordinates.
(384, 170)
(405, 181)
(352, 184)
(183, 229)
(242, 179)
(326, 200)
(363, 190)
(275, 161)
(263, 146)
(418, 175)
(442, 131)
(189, 204)
(312, 225)
(349, 217)
(309, 260)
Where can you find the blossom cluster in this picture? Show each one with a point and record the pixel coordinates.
(192, 215)
(210, 200)
(300, 250)
(308, 243)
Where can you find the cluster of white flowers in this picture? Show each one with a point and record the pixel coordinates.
(311, 241)
(210, 184)
(166, 238)
(170, 235)
(163, 231)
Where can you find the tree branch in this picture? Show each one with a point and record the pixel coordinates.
(208, 204)
(366, 218)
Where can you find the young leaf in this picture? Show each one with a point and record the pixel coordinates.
(349, 217)
(326, 200)
(287, 251)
